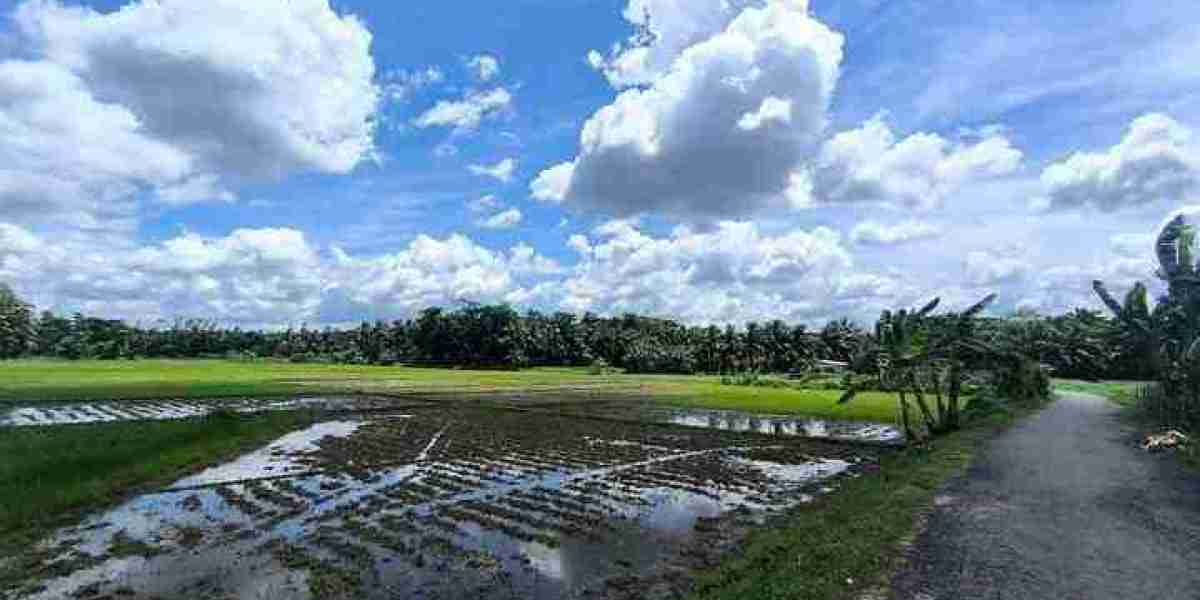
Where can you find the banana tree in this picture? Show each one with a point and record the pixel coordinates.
(1169, 331)
(911, 360)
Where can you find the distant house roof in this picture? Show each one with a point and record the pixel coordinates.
(831, 364)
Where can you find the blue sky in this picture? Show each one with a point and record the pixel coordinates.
(310, 161)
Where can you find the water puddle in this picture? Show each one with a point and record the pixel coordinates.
(282, 457)
(725, 420)
(454, 504)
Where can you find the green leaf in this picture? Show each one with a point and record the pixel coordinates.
(928, 308)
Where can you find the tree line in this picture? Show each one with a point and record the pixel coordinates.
(470, 335)
(1081, 344)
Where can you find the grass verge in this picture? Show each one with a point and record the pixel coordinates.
(1119, 392)
(1122, 393)
(49, 475)
(848, 543)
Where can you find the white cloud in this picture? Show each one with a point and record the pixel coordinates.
(719, 133)
(270, 276)
(503, 220)
(663, 30)
(983, 268)
(921, 171)
(484, 67)
(502, 171)
(430, 272)
(1133, 245)
(732, 273)
(399, 85)
(1155, 163)
(551, 185)
(51, 164)
(466, 114)
(251, 276)
(17, 240)
(257, 89)
(487, 203)
(874, 232)
(185, 99)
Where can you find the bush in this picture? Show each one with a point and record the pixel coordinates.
(1178, 410)
(651, 358)
(600, 367)
(753, 378)
(1021, 381)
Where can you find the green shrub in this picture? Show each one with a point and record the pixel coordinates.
(600, 367)
(1021, 381)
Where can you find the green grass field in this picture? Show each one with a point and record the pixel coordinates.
(40, 381)
(49, 474)
(1120, 392)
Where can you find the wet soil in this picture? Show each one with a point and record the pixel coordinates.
(1064, 505)
(447, 503)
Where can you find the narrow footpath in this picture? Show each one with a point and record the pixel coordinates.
(1064, 505)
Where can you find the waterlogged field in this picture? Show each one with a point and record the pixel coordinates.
(441, 501)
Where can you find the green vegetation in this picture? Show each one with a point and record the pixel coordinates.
(848, 543)
(1170, 332)
(34, 381)
(707, 393)
(49, 474)
(1120, 392)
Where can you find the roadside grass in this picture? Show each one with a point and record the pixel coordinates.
(43, 381)
(847, 544)
(50, 475)
(1124, 394)
(1119, 392)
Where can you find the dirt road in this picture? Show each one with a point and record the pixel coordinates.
(1063, 506)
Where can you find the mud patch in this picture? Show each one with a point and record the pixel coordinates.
(454, 503)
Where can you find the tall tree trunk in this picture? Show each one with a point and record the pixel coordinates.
(936, 377)
(926, 414)
(954, 388)
(905, 421)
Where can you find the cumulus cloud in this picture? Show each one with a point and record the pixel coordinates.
(158, 101)
(663, 30)
(732, 273)
(285, 86)
(983, 268)
(874, 232)
(503, 220)
(502, 171)
(431, 272)
(921, 171)
(50, 164)
(268, 276)
(249, 276)
(466, 114)
(1157, 161)
(484, 67)
(719, 132)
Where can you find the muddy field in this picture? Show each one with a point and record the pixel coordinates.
(448, 503)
